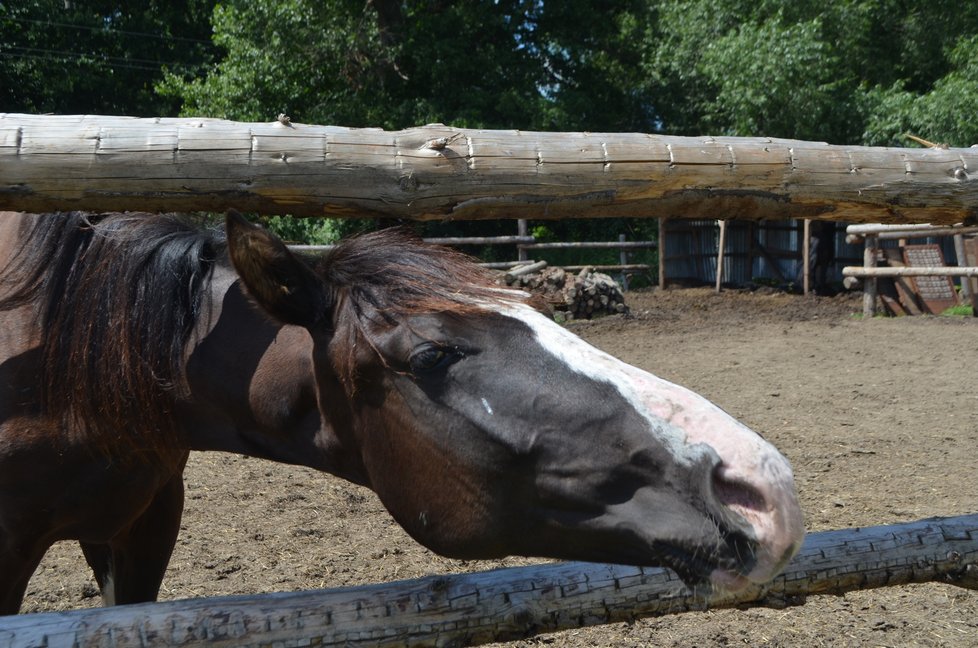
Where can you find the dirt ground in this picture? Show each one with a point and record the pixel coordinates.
(878, 418)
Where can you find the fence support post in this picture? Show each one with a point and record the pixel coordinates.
(869, 283)
(806, 253)
(966, 297)
(720, 247)
(521, 230)
(623, 260)
(662, 253)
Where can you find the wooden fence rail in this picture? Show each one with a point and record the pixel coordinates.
(871, 234)
(910, 271)
(526, 243)
(470, 609)
(104, 163)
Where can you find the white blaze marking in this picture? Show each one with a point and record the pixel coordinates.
(692, 418)
(681, 419)
(585, 359)
(485, 404)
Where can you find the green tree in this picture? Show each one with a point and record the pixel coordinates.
(944, 114)
(521, 64)
(99, 56)
(524, 64)
(382, 63)
(851, 71)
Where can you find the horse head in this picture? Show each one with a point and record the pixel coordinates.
(487, 429)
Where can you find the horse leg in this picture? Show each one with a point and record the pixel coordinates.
(130, 567)
(16, 568)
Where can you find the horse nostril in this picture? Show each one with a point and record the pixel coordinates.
(747, 502)
(737, 494)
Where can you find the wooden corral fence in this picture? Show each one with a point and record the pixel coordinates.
(435, 172)
(525, 243)
(51, 163)
(915, 297)
(477, 608)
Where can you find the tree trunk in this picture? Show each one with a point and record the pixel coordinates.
(469, 609)
(437, 172)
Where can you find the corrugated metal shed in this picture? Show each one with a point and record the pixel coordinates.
(764, 250)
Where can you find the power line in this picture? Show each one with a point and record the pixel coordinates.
(114, 62)
(56, 59)
(99, 57)
(52, 23)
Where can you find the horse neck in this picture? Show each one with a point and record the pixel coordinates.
(253, 389)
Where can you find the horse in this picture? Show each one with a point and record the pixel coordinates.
(485, 428)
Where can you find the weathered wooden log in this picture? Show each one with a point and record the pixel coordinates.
(855, 233)
(720, 249)
(469, 609)
(480, 240)
(118, 163)
(879, 228)
(618, 267)
(910, 271)
(869, 287)
(504, 265)
(525, 269)
(597, 245)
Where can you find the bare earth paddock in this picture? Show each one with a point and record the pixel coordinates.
(879, 418)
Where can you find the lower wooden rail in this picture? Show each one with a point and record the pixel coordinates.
(469, 609)
(910, 271)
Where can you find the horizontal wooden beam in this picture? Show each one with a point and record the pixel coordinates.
(480, 240)
(469, 609)
(855, 234)
(54, 162)
(618, 267)
(910, 271)
(874, 229)
(595, 245)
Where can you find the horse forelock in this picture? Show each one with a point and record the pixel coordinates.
(382, 278)
(116, 297)
(395, 274)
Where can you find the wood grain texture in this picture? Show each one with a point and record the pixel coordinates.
(469, 609)
(161, 164)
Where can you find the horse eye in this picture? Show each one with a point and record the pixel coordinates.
(431, 358)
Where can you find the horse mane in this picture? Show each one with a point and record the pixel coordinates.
(396, 274)
(116, 297)
(385, 276)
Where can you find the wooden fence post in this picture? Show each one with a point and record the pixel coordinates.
(662, 253)
(806, 253)
(720, 248)
(869, 283)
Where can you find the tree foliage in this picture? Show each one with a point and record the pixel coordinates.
(851, 71)
(99, 56)
(847, 71)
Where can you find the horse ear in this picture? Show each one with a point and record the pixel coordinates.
(282, 284)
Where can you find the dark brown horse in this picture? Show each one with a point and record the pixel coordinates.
(485, 428)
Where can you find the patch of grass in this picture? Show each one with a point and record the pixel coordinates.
(959, 311)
